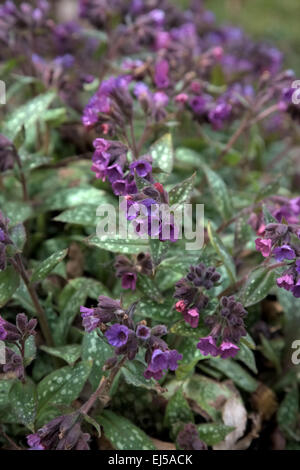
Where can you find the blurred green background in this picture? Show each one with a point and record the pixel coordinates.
(277, 21)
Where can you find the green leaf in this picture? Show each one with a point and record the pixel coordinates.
(133, 373)
(259, 283)
(30, 350)
(181, 328)
(95, 349)
(268, 218)
(222, 252)
(23, 401)
(190, 357)
(188, 156)
(69, 353)
(287, 414)
(268, 350)
(73, 295)
(44, 268)
(163, 312)
(206, 392)
(213, 433)
(219, 192)
(158, 250)
(27, 115)
(149, 288)
(81, 215)
(181, 193)
(123, 434)
(236, 373)
(246, 356)
(9, 282)
(5, 387)
(162, 154)
(18, 236)
(16, 212)
(177, 413)
(71, 197)
(119, 245)
(62, 386)
(267, 190)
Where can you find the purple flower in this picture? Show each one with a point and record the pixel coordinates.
(264, 246)
(159, 361)
(296, 289)
(114, 173)
(142, 168)
(192, 317)
(161, 77)
(89, 319)
(62, 433)
(117, 335)
(199, 104)
(228, 349)
(219, 114)
(284, 252)
(143, 332)
(129, 280)
(173, 358)
(298, 266)
(119, 187)
(286, 282)
(208, 346)
(3, 332)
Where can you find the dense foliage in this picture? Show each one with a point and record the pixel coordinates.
(144, 340)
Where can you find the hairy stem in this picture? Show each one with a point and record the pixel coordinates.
(19, 266)
(103, 389)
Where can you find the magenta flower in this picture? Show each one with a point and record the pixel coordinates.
(180, 306)
(117, 335)
(192, 317)
(228, 349)
(264, 246)
(161, 77)
(286, 281)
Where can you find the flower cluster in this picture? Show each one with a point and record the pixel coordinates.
(127, 337)
(128, 270)
(16, 335)
(62, 433)
(281, 241)
(189, 290)
(110, 161)
(227, 329)
(150, 214)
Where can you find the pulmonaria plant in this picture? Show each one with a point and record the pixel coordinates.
(129, 337)
(167, 110)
